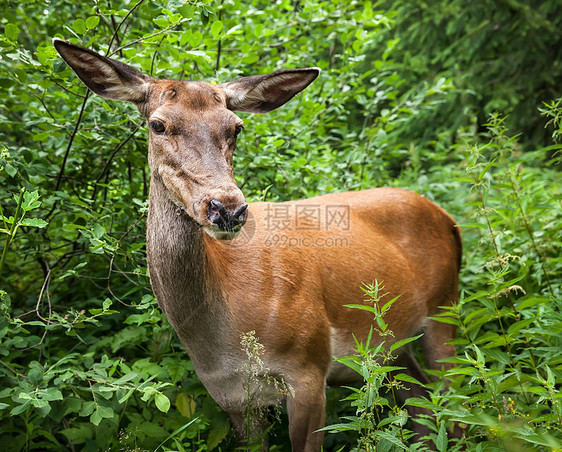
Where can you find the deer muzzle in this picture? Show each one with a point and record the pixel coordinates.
(224, 220)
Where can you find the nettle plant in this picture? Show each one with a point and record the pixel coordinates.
(380, 420)
(504, 391)
(508, 376)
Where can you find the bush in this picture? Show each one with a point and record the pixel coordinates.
(88, 362)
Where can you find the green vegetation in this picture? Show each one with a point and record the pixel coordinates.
(459, 101)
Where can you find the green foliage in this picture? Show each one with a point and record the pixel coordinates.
(378, 427)
(479, 59)
(407, 97)
(509, 323)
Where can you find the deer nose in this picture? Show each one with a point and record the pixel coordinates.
(225, 219)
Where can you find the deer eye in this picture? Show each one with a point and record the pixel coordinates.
(157, 127)
(238, 129)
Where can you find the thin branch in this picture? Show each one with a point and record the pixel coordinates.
(113, 24)
(44, 106)
(118, 27)
(158, 33)
(111, 263)
(219, 44)
(12, 370)
(69, 91)
(154, 58)
(72, 136)
(111, 157)
(45, 289)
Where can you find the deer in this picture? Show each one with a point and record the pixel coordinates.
(218, 273)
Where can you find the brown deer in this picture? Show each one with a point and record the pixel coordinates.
(221, 268)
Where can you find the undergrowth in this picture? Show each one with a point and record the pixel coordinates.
(87, 360)
(504, 390)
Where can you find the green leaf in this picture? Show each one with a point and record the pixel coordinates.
(531, 301)
(127, 377)
(219, 430)
(364, 307)
(486, 169)
(162, 21)
(153, 430)
(194, 38)
(107, 304)
(43, 408)
(92, 22)
(52, 394)
(79, 26)
(179, 430)
(186, 405)
(403, 342)
(40, 403)
(34, 222)
(35, 376)
(422, 403)
(20, 408)
(78, 435)
(87, 408)
(127, 395)
(95, 418)
(98, 231)
(407, 378)
(199, 53)
(441, 440)
(12, 31)
(391, 438)
(216, 28)
(162, 402)
(250, 59)
(517, 326)
(10, 169)
(105, 411)
(73, 404)
(30, 200)
(186, 11)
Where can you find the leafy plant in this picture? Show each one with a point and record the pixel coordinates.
(378, 426)
(88, 362)
(25, 203)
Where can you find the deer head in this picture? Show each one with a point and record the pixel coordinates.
(193, 129)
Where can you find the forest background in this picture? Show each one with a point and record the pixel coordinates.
(458, 101)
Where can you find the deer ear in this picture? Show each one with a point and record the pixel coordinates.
(263, 93)
(106, 77)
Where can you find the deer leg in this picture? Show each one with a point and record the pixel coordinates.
(407, 360)
(250, 432)
(433, 343)
(307, 413)
(436, 334)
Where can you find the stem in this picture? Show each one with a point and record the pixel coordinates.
(517, 314)
(542, 258)
(144, 38)
(72, 136)
(115, 36)
(110, 159)
(219, 43)
(12, 233)
(3, 219)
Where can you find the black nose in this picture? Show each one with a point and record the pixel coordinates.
(225, 219)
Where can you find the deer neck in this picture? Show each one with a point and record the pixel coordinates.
(184, 275)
